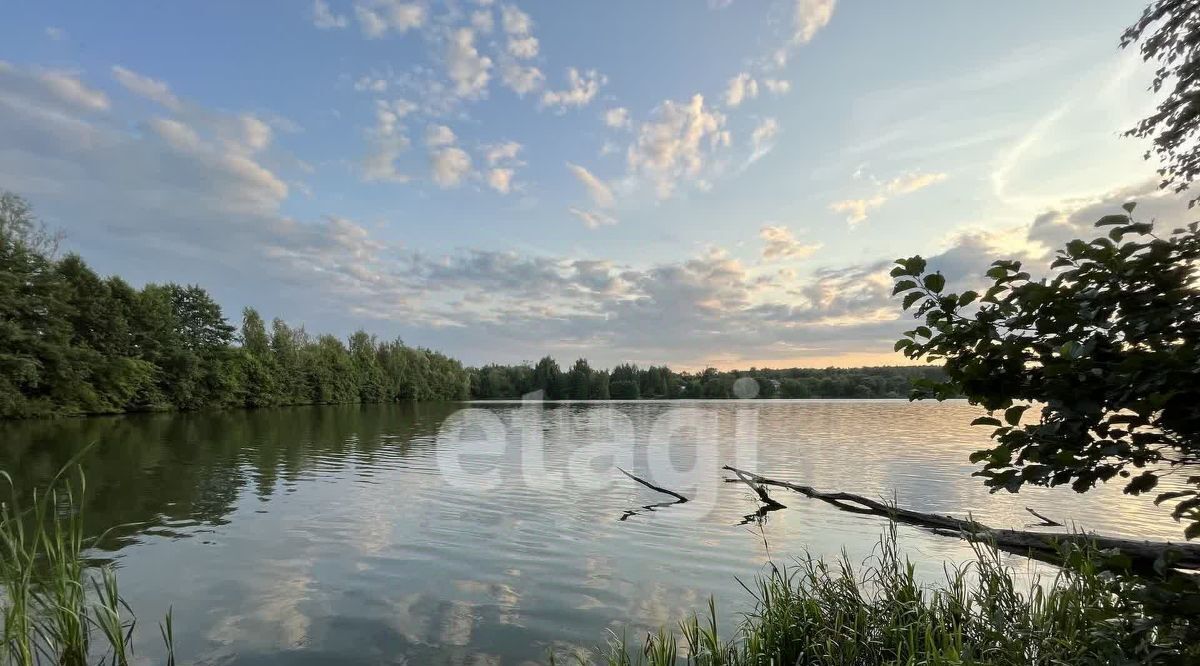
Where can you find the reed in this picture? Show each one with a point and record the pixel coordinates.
(57, 608)
(817, 612)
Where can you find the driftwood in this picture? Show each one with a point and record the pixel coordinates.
(1046, 522)
(679, 499)
(1039, 545)
(660, 489)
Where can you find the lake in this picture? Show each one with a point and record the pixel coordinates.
(489, 533)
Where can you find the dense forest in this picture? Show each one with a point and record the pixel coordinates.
(73, 342)
(629, 382)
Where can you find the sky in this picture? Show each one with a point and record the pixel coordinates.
(690, 182)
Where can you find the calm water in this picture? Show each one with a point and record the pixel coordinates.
(354, 535)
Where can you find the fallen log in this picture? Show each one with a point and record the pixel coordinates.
(1041, 545)
(758, 490)
(651, 486)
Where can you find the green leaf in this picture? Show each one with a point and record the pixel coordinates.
(1012, 415)
(1140, 484)
(1112, 220)
(986, 420)
(912, 298)
(899, 270)
(1129, 206)
(903, 285)
(1163, 497)
(935, 282)
(901, 344)
(967, 298)
(1192, 531)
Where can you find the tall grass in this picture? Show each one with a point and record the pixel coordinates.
(58, 609)
(821, 613)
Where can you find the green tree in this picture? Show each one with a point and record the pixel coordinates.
(1106, 349)
(1168, 31)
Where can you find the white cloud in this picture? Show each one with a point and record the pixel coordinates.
(779, 243)
(811, 16)
(524, 47)
(144, 86)
(388, 141)
(324, 18)
(500, 179)
(482, 21)
(449, 166)
(55, 33)
(465, 66)
(582, 88)
(515, 21)
(597, 189)
(740, 88)
(502, 152)
(761, 138)
(376, 17)
(371, 84)
(519, 78)
(69, 88)
(593, 219)
(857, 210)
(439, 135)
(913, 181)
(675, 144)
(617, 117)
(777, 86)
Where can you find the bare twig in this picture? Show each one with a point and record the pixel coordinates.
(651, 486)
(1046, 522)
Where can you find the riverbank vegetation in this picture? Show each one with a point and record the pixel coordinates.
(816, 613)
(73, 342)
(630, 382)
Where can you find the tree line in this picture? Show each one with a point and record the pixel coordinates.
(73, 342)
(630, 382)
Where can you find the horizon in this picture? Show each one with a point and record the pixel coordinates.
(493, 180)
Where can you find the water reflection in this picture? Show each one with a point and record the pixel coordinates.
(332, 535)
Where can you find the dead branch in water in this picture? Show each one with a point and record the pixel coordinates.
(1046, 522)
(651, 486)
(758, 489)
(1041, 545)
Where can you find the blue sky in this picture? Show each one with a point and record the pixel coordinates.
(690, 182)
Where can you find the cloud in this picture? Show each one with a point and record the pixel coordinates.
(482, 21)
(449, 166)
(761, 137)
(777, 86)
(524, 48)
(466, 67)
(593, 219)
(674, 145)
(600, 193)
(500, 179)
(370, 84)
(857, 210)
(377, 17)
(55, 33)
(69, 88)
(617, 117)
(144, 86)
(439, 135)
(913, 181)
(388, 141)
(502, 152)
(741, 88)
(519, 78)
(515, 21)
(779, 243)
(581, 89)
(324, 18)
(810, 17)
